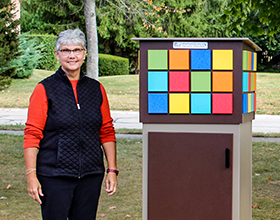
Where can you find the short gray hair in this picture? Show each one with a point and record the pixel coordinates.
(70, 36)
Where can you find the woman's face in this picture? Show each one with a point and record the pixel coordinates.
(71, 58)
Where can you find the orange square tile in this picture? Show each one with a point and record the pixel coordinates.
(179, 59)
(250, 60)
(222, 82)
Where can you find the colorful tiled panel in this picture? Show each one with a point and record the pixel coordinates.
(249, 61)
(198, 81)
(249, 102)
(249, 81)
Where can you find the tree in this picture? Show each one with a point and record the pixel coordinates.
(8, 41)
(265, 13)
(258, 20)
(51, 17)
(119, 21)
(92, 39)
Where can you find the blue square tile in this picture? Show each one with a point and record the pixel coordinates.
(245, 103)
(201, 103)
(252, 60)
(157, 103)
(201, 59)
(158, 81)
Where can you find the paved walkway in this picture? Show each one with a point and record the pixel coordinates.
(130, 120)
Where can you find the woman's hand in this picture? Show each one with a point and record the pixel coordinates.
(111, 183)
(34, 187)
(111, 178)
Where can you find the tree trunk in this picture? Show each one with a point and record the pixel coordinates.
(92, 39)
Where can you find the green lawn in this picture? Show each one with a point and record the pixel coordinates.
(268, 96)
(15, 203)
(122, 91)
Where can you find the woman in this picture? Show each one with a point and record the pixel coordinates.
(68, 121)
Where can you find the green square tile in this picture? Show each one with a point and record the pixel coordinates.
(245, 59)
(201, 81)
(157, 59)
(252, 81)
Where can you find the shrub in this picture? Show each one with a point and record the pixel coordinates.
(28, 59)
(8, 42)
(110, 65)
(48, 60)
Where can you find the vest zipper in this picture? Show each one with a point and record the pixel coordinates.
(81, 135)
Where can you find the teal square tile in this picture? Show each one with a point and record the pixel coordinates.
(157, 81)
(245, 82)
(201, 103)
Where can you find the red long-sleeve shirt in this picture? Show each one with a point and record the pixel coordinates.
(37, 116)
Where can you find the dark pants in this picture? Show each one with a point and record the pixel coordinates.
(69, 197)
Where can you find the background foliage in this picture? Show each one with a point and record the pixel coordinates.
(28, 58)
(112, 65)
(120, 21)
(8, 42)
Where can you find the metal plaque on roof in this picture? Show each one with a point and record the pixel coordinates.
(190, 45)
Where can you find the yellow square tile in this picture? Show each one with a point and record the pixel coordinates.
(222, 60)
(250, 102)
(179, 103)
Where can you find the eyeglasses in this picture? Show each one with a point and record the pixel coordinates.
(76, 51)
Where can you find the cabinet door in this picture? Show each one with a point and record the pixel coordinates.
(189, 176)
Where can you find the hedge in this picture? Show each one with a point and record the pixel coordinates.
(110, 65)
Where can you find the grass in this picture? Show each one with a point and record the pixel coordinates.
(266, 181)
(17, 95)
(128, 199)
(122, 91)
(18, 127)
(17, 205)
(268, 96)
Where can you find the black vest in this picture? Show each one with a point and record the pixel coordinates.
(71, 145)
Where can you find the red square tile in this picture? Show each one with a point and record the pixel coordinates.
(222, 103)
(179, 81)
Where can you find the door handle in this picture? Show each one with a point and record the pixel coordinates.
(227, 154)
